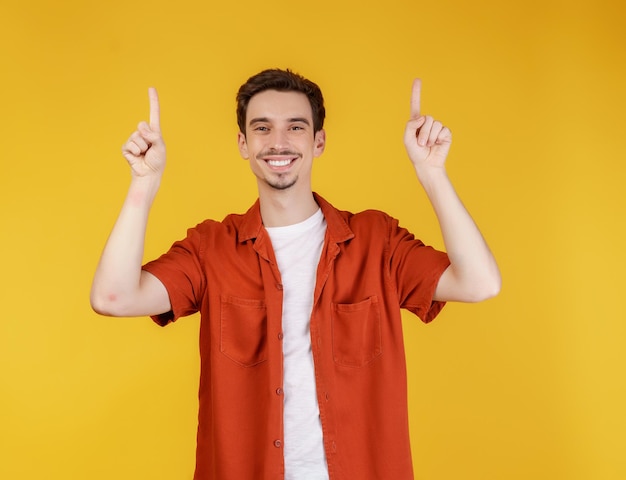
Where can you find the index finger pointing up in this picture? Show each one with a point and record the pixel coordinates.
(155, 112)
(415, 98)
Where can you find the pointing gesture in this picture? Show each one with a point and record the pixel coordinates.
(155, 110)
(145, 149)
(426, 140)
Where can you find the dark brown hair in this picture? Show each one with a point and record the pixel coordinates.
(283, 81)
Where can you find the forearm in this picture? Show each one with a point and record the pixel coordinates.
(473, 274)
(117, 279)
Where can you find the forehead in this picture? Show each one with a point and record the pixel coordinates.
(276, 105)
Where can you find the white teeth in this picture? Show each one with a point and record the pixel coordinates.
(278, 163)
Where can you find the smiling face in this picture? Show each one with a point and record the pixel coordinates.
(280, 142)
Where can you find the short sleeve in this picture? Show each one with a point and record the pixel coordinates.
(416, 269)
(180, 271)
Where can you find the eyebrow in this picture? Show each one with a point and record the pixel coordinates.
(289, 120)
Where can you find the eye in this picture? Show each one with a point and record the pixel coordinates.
(261, 128)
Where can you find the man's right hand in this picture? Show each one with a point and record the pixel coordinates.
(145, 149)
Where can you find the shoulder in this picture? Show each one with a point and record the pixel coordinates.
(371, 215)
(230, 223)
(213, 230)
(368, 220)
(369, 223)
(361, 217)
(345, 225)
(378, 227)
(207, 235)
(372, 229)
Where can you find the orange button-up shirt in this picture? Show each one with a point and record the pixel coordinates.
(369, 269)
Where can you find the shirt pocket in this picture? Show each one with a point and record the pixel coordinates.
(243, 330)
(356, 330)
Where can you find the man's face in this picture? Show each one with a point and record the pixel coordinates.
(280, 142)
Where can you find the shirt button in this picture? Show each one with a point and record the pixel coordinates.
(278, 443)
(279, 286)
(279, 391)
(280, 336)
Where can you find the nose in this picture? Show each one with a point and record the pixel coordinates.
(278, 139)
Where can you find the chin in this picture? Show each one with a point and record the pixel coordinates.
(287, 184)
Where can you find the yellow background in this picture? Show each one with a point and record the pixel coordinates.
(530, 385)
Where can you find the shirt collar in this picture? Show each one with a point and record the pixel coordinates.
(336, 224)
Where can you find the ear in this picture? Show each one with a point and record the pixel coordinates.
(243, 145)
(320, 142)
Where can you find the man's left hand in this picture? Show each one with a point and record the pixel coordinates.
(426, 140)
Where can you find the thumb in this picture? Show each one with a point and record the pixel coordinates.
(148, 133)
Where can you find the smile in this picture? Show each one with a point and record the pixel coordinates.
(280, 160)
(279, 163)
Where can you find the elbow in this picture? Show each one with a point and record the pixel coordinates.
(490, 292)
(487, 288)
(104, 304)
(98, 305)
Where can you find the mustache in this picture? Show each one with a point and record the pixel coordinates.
(274, 151)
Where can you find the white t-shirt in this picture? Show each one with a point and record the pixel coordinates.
(298, 249)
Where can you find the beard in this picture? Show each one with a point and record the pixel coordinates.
(281, 183)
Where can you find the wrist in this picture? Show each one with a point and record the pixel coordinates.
(431, 177)
(143, 190)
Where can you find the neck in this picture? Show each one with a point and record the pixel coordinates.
(282, 208)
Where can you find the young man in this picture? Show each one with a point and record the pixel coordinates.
(302, 359)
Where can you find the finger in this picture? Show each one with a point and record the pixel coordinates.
(424, 132)
(131, 148)
(434, 133)
(445, 136)
(155, 110)
(148, 134)
(136, 144)
(412, 129)
(139, 138)
(415, 124)
(416, 98)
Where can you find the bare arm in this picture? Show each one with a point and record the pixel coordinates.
(473, 274)
(120, 287)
